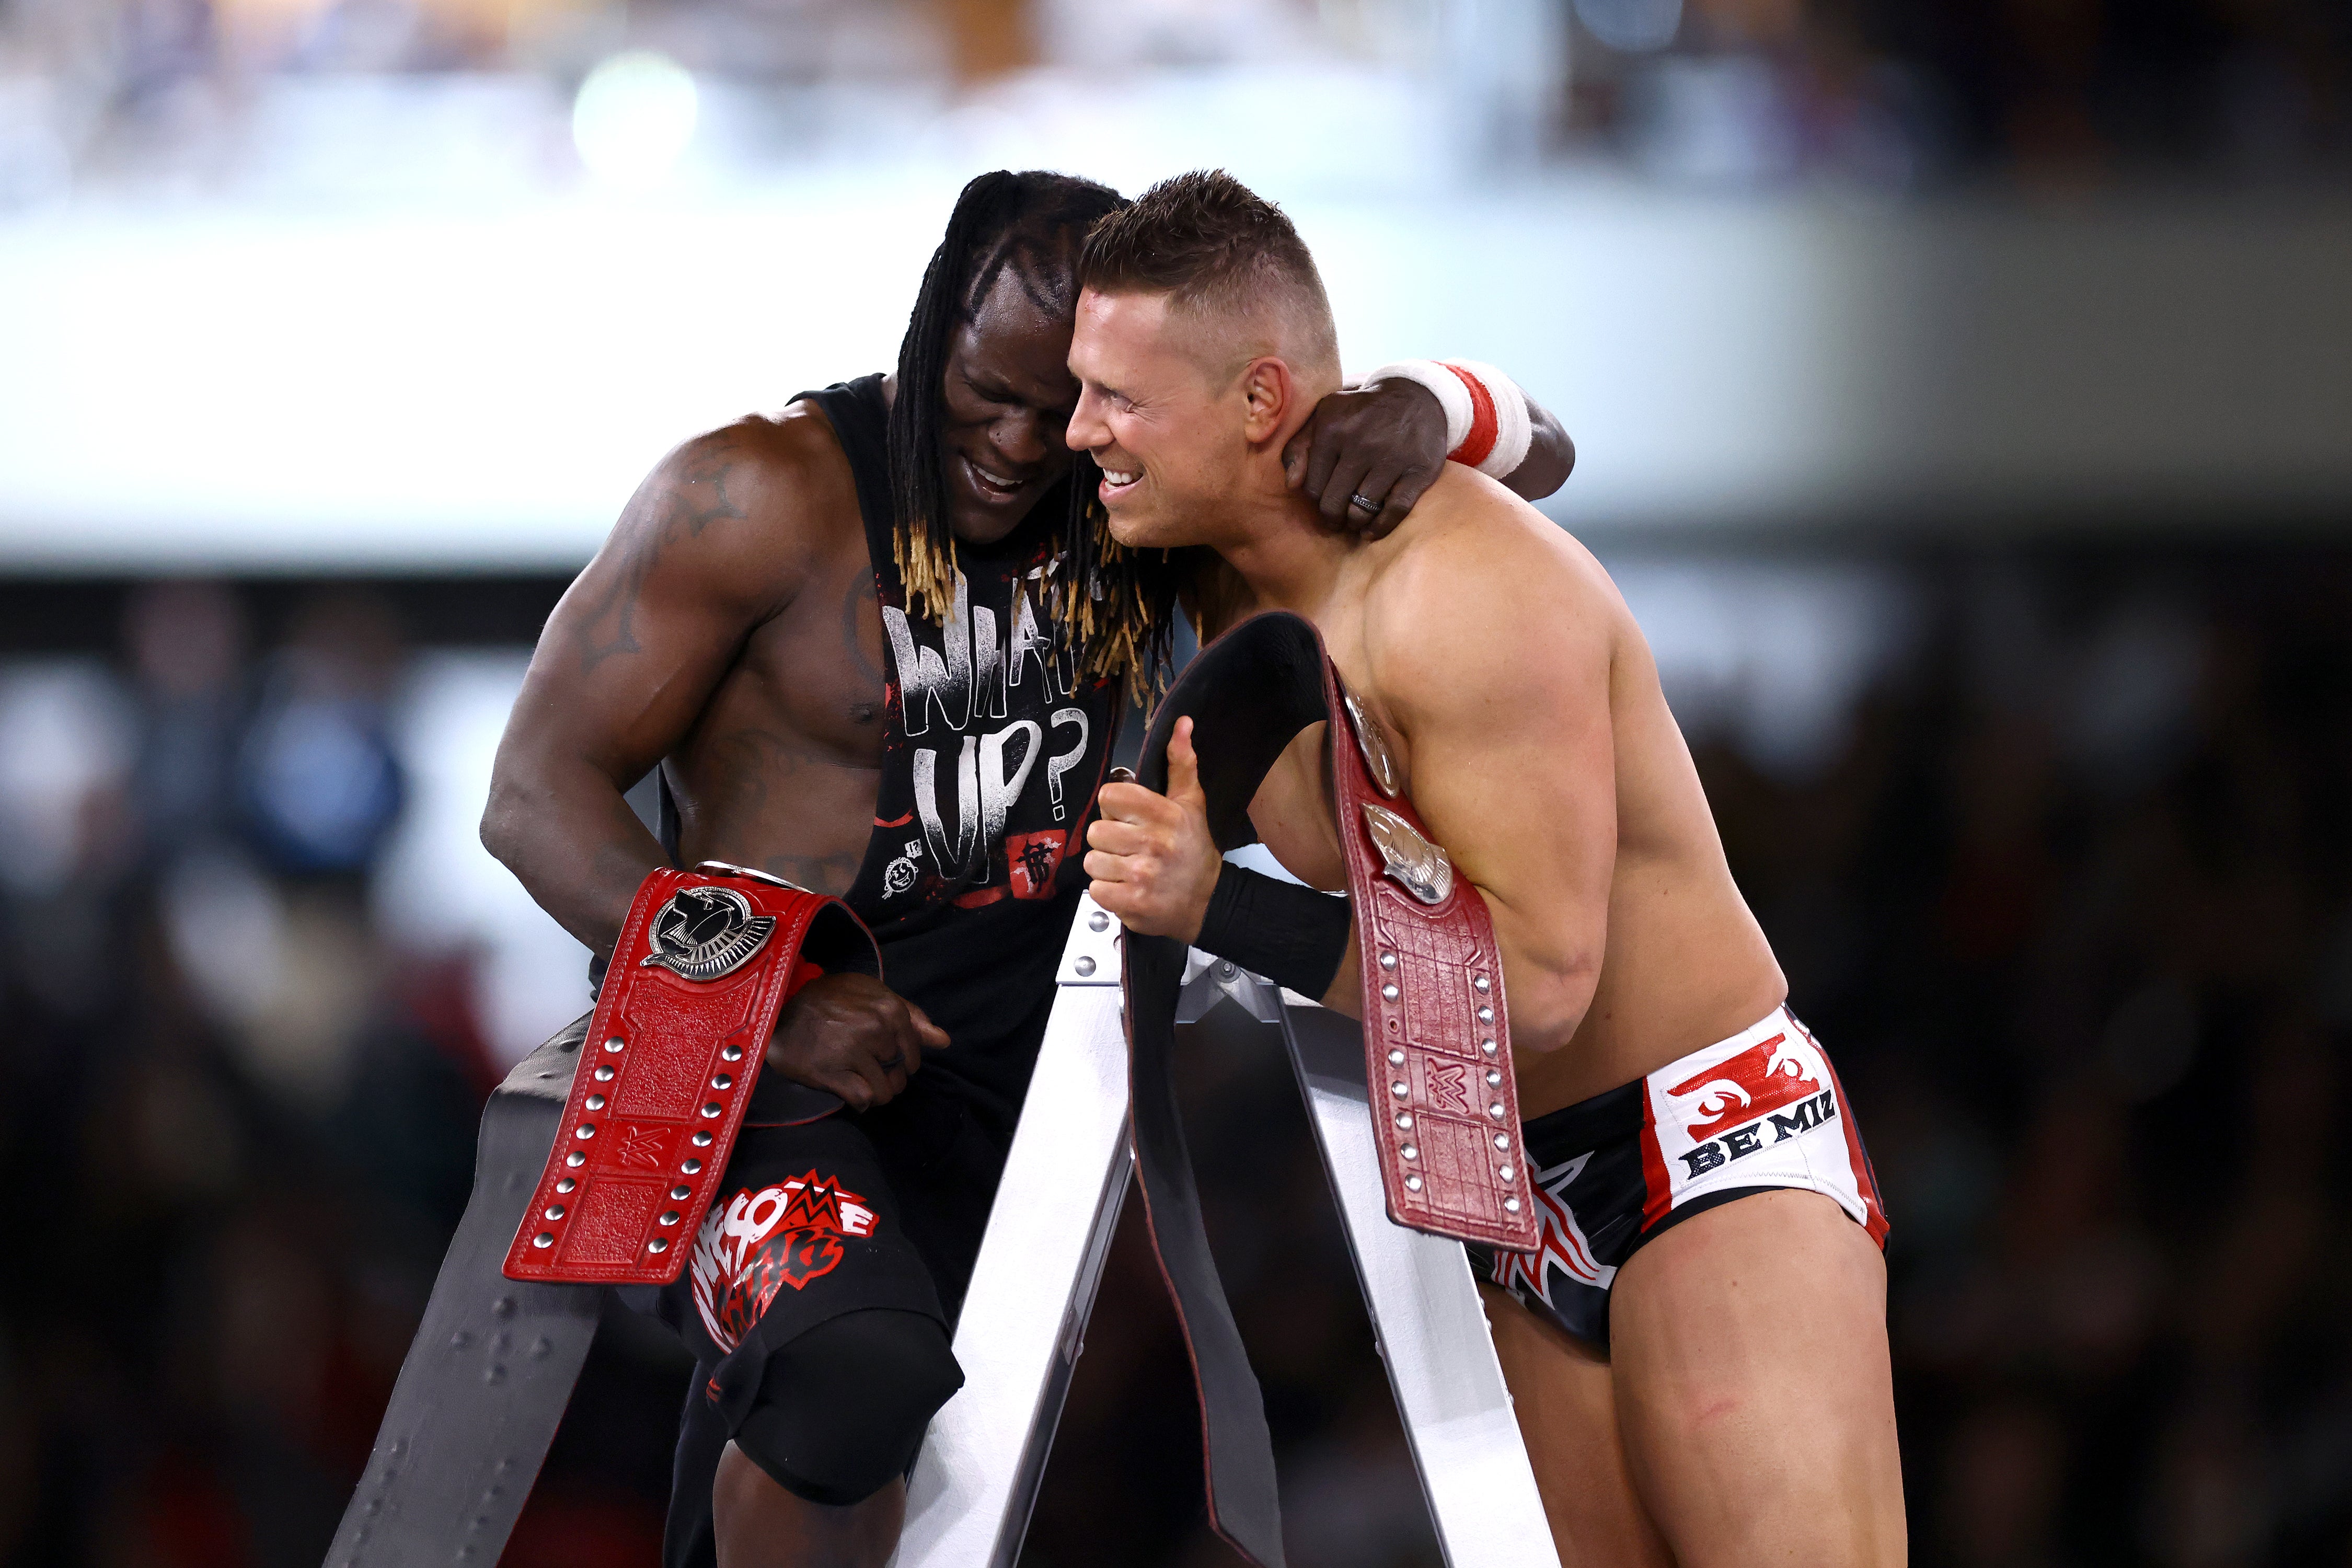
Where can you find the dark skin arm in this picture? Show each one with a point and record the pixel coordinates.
(1386, 442)
(626, 662)
(716, 542)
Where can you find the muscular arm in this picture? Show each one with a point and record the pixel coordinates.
(1490, 650)
(1492, 654)
(1492, 657)
(703, 552)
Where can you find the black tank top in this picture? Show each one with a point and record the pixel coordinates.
(993, 750)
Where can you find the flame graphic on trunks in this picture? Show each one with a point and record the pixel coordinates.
(1765, 1077)
(758, 1242)
(1563, 1245)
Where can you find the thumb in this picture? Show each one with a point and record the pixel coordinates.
(932, 1034)
(1294, 455)
(1184, 768)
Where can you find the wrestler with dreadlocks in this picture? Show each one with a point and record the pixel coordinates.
(878, 645)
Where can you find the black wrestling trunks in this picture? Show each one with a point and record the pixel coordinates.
(1760, 1112)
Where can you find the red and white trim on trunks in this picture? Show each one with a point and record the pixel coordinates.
(1486, 423)
(1763, 1109)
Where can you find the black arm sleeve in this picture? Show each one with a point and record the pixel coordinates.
(1293, 935)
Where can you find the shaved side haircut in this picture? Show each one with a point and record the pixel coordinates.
(1226, 257)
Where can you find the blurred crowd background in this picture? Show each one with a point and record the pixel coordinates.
(177, 92)
(1964, 391)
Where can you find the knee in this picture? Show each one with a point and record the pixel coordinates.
(843, 1408)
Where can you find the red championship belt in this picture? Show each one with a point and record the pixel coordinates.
(673, 1052)
(1437, 1037)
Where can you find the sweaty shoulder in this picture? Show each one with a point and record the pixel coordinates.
(747, 508)
(1476, 582)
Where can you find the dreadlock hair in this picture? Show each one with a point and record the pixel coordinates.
(1117, 606)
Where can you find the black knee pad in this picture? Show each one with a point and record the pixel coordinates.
(842, 1408)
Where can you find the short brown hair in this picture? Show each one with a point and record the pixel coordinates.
(1217, 248)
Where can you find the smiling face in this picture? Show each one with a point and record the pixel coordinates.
(1171, 431)
(1006, 399)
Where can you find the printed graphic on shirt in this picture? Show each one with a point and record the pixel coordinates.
(1002, 743)
(1032, 858)
(759, 1241)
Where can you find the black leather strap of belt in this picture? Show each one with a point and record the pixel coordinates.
(1248, 694)
(492, 1366)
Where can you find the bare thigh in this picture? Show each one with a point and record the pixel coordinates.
(1748, 1345)
(1568, 1417)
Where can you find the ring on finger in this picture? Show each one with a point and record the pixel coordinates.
(1363, 502)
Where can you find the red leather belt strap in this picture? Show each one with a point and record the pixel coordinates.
(1437, 1036)
(1437, 1048)
(672, 1055)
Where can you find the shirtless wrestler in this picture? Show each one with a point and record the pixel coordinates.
(776, 624)
(1700, 1381)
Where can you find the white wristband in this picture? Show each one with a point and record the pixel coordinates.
(1486, 421)
(1514, 430)
(1451, 393)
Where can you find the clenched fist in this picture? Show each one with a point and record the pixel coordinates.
(852, 1035)
(1152, 860)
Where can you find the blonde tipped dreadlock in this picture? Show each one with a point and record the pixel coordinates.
(1114, 606)
(1117, 606)
(928, 571)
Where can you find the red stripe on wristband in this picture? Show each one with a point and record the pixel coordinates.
(1484, 425)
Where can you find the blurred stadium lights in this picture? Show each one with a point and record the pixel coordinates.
(634, 116)
(1631, 25)
(421, 283)
(248, 387)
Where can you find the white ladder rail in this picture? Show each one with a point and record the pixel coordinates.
(1049, 1230)
(976, 1481)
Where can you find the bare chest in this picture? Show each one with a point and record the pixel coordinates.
(815, 673)
(782, 768)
